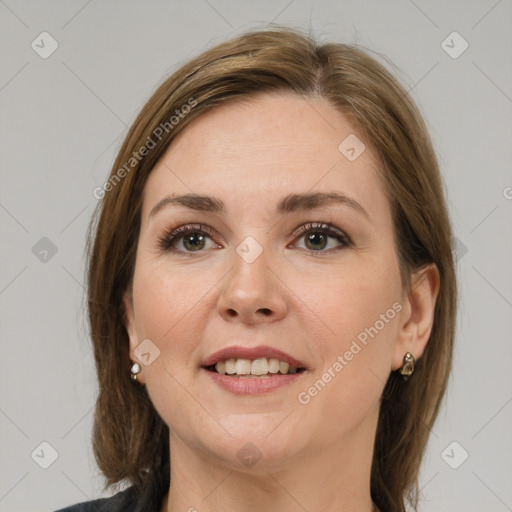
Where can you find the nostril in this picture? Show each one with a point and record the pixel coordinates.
(232, 312)
(265, 311)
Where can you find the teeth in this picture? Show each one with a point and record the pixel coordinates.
(243, 367)
(273, 365)
(262, 366)
(259, 366)
(230, 367)
(221, 367)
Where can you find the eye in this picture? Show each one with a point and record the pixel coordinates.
(195, 238)
(318, 237)
(187, 239)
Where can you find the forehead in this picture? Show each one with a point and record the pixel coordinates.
(258, 149)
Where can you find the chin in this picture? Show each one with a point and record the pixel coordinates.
(256, 445)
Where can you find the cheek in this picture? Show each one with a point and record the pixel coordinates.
(166, 304)
(357, 312)
(353, 300)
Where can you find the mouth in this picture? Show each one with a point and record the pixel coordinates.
(257, 368)
(250, 363)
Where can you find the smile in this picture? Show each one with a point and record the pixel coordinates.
(261, 367)
(253, 370)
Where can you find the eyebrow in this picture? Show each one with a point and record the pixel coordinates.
(288, 204)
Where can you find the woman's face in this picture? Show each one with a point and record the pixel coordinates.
(289, 246)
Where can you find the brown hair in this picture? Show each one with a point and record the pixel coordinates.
(130, 439)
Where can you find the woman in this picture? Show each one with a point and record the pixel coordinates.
(271, 289)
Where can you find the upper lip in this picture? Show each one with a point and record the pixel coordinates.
(239, 352)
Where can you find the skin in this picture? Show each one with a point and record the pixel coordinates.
(314, 456)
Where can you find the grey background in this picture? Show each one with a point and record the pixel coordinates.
(64, 118)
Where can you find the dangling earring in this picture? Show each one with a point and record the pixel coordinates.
(135, 370)
(407, 368)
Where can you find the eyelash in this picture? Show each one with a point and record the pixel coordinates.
(166, 242)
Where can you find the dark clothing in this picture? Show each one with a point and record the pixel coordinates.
(149, 499)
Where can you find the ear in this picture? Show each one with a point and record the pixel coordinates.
(131, 329)
(417, 317)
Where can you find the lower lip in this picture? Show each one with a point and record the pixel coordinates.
(253, 386)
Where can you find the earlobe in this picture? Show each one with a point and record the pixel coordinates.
(418, 314)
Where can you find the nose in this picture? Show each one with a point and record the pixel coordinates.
(252, 293)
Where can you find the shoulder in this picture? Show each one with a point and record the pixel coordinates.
(123, 501)
(147, 498)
